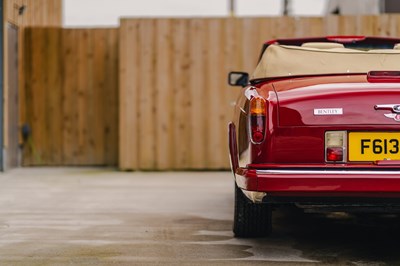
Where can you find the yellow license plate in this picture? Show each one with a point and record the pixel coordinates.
(374, 146)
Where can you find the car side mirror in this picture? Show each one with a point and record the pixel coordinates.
(236, 78)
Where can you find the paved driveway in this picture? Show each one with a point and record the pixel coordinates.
(81, 216)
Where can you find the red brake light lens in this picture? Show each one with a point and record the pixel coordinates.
(258, 113)
(334, 154)
(345, 39)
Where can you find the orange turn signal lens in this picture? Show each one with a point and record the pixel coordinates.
(258, 106)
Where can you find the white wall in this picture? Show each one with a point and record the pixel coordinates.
(107, 12)
(97, 13)
(258, 7)
(308, 7)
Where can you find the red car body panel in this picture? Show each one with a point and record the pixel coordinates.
(291, 161)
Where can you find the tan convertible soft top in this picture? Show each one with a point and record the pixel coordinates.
(284, 60)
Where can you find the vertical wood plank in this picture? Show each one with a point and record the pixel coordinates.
(83, 94)
(197, 93)
(285, 26)
(37, 123)
(44, 10)
(233, 47)
(390, 25)
(164, 100)
(365, 25)
(110, 99)
(12, 10)
(50, 10)
(29, 13)
(266, 32)
(53, 92)
(99, 89)
(35, 12)
(331, 26)
(310, 27)
(249, 39)
(90, 101)
(128, 95)
(213, 85)
(225, 99)
(182, 106)
(56, 13)
(7, 10)
(19, 18)
(69, 96)
(348, 25)
(146, 92)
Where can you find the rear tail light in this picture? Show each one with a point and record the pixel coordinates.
(258, 114)
(334, 154)
(335, 146)
(345, 39)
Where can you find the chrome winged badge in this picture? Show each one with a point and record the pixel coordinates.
(395, 108)
(396, 117)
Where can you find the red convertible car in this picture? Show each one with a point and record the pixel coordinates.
(317, 124)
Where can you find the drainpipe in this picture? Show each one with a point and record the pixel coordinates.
(285, 7)
(232, 12)
(1, 85)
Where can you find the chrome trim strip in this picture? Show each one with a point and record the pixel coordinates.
(327, 172)
(251, 92)
(384, 106)
(393, 107)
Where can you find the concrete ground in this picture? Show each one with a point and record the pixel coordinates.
(82, 216)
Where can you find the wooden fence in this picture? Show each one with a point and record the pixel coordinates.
(174, 104)
(71, 96)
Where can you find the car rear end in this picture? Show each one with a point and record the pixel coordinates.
(321, 141)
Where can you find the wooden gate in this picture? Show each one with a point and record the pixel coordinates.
(71, 96)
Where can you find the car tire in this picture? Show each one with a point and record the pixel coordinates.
(251, 219)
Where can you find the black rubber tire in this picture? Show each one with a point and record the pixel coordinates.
(251, 219)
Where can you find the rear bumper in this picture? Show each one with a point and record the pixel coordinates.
(321, 183)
